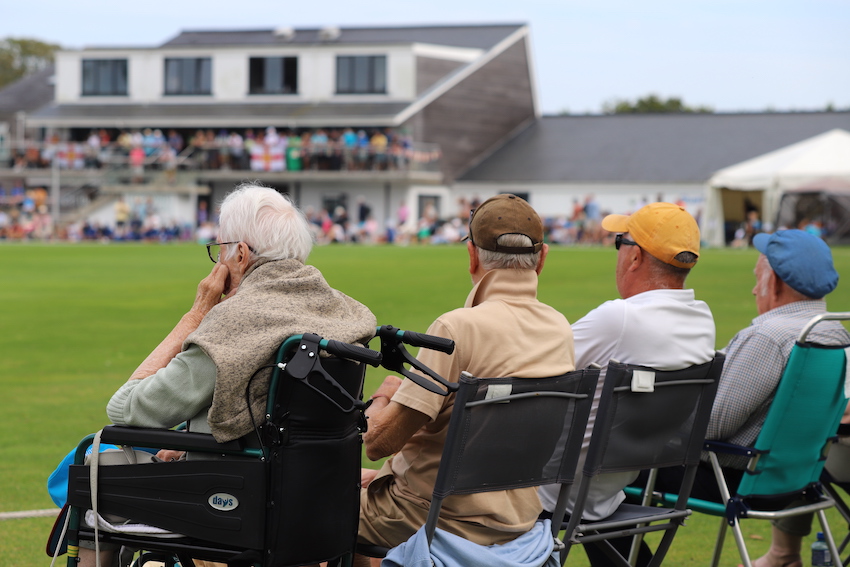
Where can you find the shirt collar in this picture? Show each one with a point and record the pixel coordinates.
(504, 284)
(810, 306)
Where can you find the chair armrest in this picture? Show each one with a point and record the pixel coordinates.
(168, 439)
(730, 449)
(668, 500)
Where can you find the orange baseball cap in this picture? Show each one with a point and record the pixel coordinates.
(662, 229)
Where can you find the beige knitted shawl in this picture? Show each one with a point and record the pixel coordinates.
(275, 300)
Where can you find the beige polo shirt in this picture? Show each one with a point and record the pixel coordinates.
(502, 330)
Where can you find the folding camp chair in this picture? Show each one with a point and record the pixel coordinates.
(287, 495)
(646, 418)
(506, 433)
(835, 479)
(788, 456)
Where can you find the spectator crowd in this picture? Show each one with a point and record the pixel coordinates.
(262, 150)
(24, 216)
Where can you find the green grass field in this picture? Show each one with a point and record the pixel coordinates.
(76, 320)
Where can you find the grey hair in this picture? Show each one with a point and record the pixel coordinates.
(661, 271)
(500, 260)
(761, 284)
(265, 220)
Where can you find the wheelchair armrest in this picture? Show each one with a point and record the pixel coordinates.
(730, 449)
(168, 439)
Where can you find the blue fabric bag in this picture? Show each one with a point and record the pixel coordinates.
(532, 549)
(57, 482)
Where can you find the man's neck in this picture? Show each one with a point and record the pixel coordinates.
(644, 286)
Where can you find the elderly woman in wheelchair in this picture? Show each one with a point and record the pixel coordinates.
(211, 370)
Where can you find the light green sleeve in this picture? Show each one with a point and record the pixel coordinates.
(175, 394)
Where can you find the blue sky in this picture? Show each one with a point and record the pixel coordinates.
(732, 55)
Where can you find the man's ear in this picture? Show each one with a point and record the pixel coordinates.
(775, 287)
(474, 263)
(636, 258)
(542, 260)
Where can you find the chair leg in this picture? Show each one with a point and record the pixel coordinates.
(827, 534)
(645, 501)
(742, 545)
(663, 547)
(718, 545)
(844, 510)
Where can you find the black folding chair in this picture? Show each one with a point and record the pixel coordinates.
(287, 494)
(646, 419)
(505, 433)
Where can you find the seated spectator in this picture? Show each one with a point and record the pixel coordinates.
(502, 330)
(258, 293)
(657, 323)
(794, 272)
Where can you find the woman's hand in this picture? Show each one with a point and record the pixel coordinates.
(209, 294)
(210, 290)
(169, 455)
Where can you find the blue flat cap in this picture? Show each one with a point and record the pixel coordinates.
(801, 260)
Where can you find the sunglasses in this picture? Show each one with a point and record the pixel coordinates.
(620, 241)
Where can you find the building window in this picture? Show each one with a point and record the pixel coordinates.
(104, 77)
(188, 76)
(273, 75)
(361, 74)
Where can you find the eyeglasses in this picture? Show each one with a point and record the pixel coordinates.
(620, 241)
(214, 249)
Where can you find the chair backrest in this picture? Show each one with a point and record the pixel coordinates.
(314, 495)
(506, 433)
(651, 418)
(803, 417)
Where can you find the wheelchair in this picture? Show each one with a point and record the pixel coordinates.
(285, 495)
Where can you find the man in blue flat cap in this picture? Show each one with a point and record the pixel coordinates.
(793, 274)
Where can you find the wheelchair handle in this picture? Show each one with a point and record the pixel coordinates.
(428, 341)
(396, 356)
(417, 339)
(351, 352)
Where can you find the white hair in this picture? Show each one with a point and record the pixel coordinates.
(265, 220)
(764, 278)
(501, 260)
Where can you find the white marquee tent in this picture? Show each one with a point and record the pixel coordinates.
(761, 181)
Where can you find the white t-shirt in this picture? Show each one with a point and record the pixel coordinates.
(666, 329)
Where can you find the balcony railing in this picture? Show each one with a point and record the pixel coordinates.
(256, 157)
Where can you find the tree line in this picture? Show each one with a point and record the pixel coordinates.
(20, 57)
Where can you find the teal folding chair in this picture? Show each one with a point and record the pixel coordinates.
(782, 478)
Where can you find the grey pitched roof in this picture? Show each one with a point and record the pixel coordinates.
(291, 115)
(28, 93)
(474, 36)
(646, 147)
